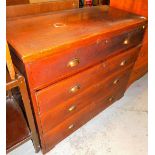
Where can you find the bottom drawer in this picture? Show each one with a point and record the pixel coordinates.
(73, 123)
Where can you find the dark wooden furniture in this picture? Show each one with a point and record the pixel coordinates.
(77, 63)
(18, 130)
(139, 7)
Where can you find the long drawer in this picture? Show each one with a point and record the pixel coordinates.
(66, 63)
(64, 90)
(116, 81)
(73, 123)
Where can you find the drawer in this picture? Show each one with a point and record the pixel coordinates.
(46, 71)
(73, 123)
(116, 81)
(138, 72)
(78, 83)
(143, 55)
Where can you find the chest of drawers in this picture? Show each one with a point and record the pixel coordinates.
(77, 63)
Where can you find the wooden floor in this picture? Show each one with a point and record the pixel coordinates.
(119, 130)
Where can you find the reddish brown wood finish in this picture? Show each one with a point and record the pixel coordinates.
(77, 120)
(87, 55)
(92, 75)
(58, 114)
(141, 65)
(138, 72)
(143, 55)
(139, 7)
(38, 8)
(16, 2)
(135, 6)
(15, 121)
(39, 36)
(9, 63)
(44, 50)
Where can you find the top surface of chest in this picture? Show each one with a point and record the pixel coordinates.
(37, 36)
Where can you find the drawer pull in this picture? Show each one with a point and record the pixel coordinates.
(143, 26)
(75, 89)
(74, 4)
(73, 62)
(106, 41)
(71, 126)
(116, 81)
(110, 99)
(72, 108)
(59, 25)
(142, 17)
(126, 41)
(123, 63)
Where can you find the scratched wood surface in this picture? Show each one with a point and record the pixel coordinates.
(36, 36)
(42, 45)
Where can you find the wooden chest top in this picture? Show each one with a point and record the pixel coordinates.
(38, 36)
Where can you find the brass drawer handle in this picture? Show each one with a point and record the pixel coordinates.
(73, 4)
(75, 89)
(142, 17)
(71, 126)
(123, 63)
(126, 41)
(74, 62)
(57, 25)
(72, 108)
(106, 41)
(116, 81)
(110, 99)
(143, 26)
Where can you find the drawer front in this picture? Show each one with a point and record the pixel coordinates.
(116, 81)
(41, 73)
(73, 123)
(53, 95)
(143, 55)
(138, 72)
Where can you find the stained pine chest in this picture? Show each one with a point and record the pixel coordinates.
(76, 62)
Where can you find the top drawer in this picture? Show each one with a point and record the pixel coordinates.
(41, 73)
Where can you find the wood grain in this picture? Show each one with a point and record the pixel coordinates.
(138, 7)
(13, 11)
(9, 63)
(38, 36)
(135, 6)
(16, 2)
(60, 132)
(58, 114)
(83, 79)
(43, 44)
(55, 67)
